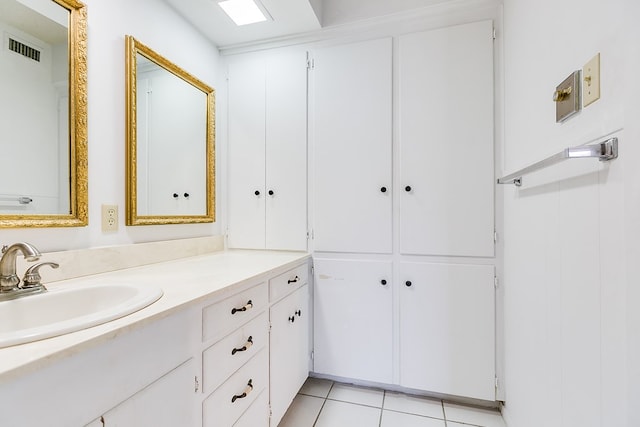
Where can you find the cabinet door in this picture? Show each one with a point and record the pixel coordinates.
(353, 319)
(446, 141)
(447, 329)
(289, 350)
(286, 150)
(170, 401)
(352, 118)
(246, 154)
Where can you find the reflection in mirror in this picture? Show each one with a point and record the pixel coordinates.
(170, 141)
(43, 113)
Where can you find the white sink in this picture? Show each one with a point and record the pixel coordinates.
(61, 311)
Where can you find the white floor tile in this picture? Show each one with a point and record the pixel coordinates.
(399, 419)
(341, 414)
(316, 387)
(359, 395)
(413, 405)
(303, 412)
(475, 416)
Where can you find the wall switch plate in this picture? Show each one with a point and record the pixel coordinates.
(567, 97)
(591, 81)
(109, 218)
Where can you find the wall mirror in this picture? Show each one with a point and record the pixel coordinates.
(170, 141)
(43, 113)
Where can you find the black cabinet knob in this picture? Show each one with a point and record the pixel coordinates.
(175, 195)
(257, 193)
(408, 283)
(383, 189)
(271, 192)
(407, 188)
(186, 195)
(383, 282)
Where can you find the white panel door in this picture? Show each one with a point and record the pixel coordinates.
(352, 119)
(246, 154)
(286, 150)
(446, 141)
(353, 319)
(289, 350)
(447, 329)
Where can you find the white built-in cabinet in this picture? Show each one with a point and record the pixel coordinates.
(403, 211)
(267, 161)
(351, 106)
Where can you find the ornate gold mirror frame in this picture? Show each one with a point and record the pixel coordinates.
(133, 49)
(78, 187)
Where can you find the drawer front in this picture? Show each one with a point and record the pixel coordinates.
(225, 406)
(227, 315)
(288, 282)
(225, 357)
(258, 413)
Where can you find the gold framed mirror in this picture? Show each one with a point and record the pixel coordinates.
(43, 110)
(170, 120)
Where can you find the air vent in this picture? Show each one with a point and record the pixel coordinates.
(24, 50)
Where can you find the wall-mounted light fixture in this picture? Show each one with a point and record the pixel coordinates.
(244, 12)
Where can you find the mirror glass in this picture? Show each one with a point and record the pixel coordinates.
(170, 141)
(43, 113)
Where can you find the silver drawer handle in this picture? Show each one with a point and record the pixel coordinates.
(245, 393)
(246, 307)
(244, 347)
(294, 280)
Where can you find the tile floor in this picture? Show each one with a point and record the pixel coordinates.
(324, 403)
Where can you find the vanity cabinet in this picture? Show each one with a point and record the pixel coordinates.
(289, 340)
(268, 151)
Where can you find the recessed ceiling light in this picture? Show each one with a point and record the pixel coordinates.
(243, 12)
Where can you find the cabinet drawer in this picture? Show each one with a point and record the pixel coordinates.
(226, 405)
(223, 317)
(225, 357)
(258, 413)
(288, 282)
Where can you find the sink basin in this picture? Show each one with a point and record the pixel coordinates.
(61, 311)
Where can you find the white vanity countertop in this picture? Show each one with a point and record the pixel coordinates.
(183, 281)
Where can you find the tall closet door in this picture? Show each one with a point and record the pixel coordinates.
(352, 119)
(247, 154)
(286, 150)
(446, 141)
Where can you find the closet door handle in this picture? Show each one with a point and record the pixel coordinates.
(244, 347)
(271, 192)
(383, 189)
(245, 393)
(408, 283)
(407, 188)
(247, 306)
(257, 193)
(186, 195)
(298, 313)
(383, 282)
(175, 195)
(292, 319)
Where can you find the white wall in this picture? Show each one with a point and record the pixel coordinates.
(156, 25)
(571, 232)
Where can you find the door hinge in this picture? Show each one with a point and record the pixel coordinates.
(312, 355)
(493, 34)
(495, 282)
(197, 384)
(497, 384)
(311, 64)
(495, 237)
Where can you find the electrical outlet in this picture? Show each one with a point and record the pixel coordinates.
(109, 217)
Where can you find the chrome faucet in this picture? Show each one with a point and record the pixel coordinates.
(9, 280)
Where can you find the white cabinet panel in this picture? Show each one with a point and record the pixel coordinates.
(353, 319)
(447, 335)
(352, 110)
(289, 361)
(446, 141)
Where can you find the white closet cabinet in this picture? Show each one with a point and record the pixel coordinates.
(447, 335)
(289, 361)
(353, 319)
(352, 110)
(268, 151)
(446, 141)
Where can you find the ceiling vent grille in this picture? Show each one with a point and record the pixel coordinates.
(24, 50)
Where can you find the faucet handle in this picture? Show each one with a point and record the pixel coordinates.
(32, 276)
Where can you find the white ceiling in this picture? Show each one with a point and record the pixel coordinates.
(289, 17)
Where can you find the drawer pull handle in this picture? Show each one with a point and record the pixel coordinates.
(244, 347)
(292, 319)
(298, 313)
(246, 307)
(294, 280)
(244, 394)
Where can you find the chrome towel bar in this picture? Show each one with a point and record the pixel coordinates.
(604, 151)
